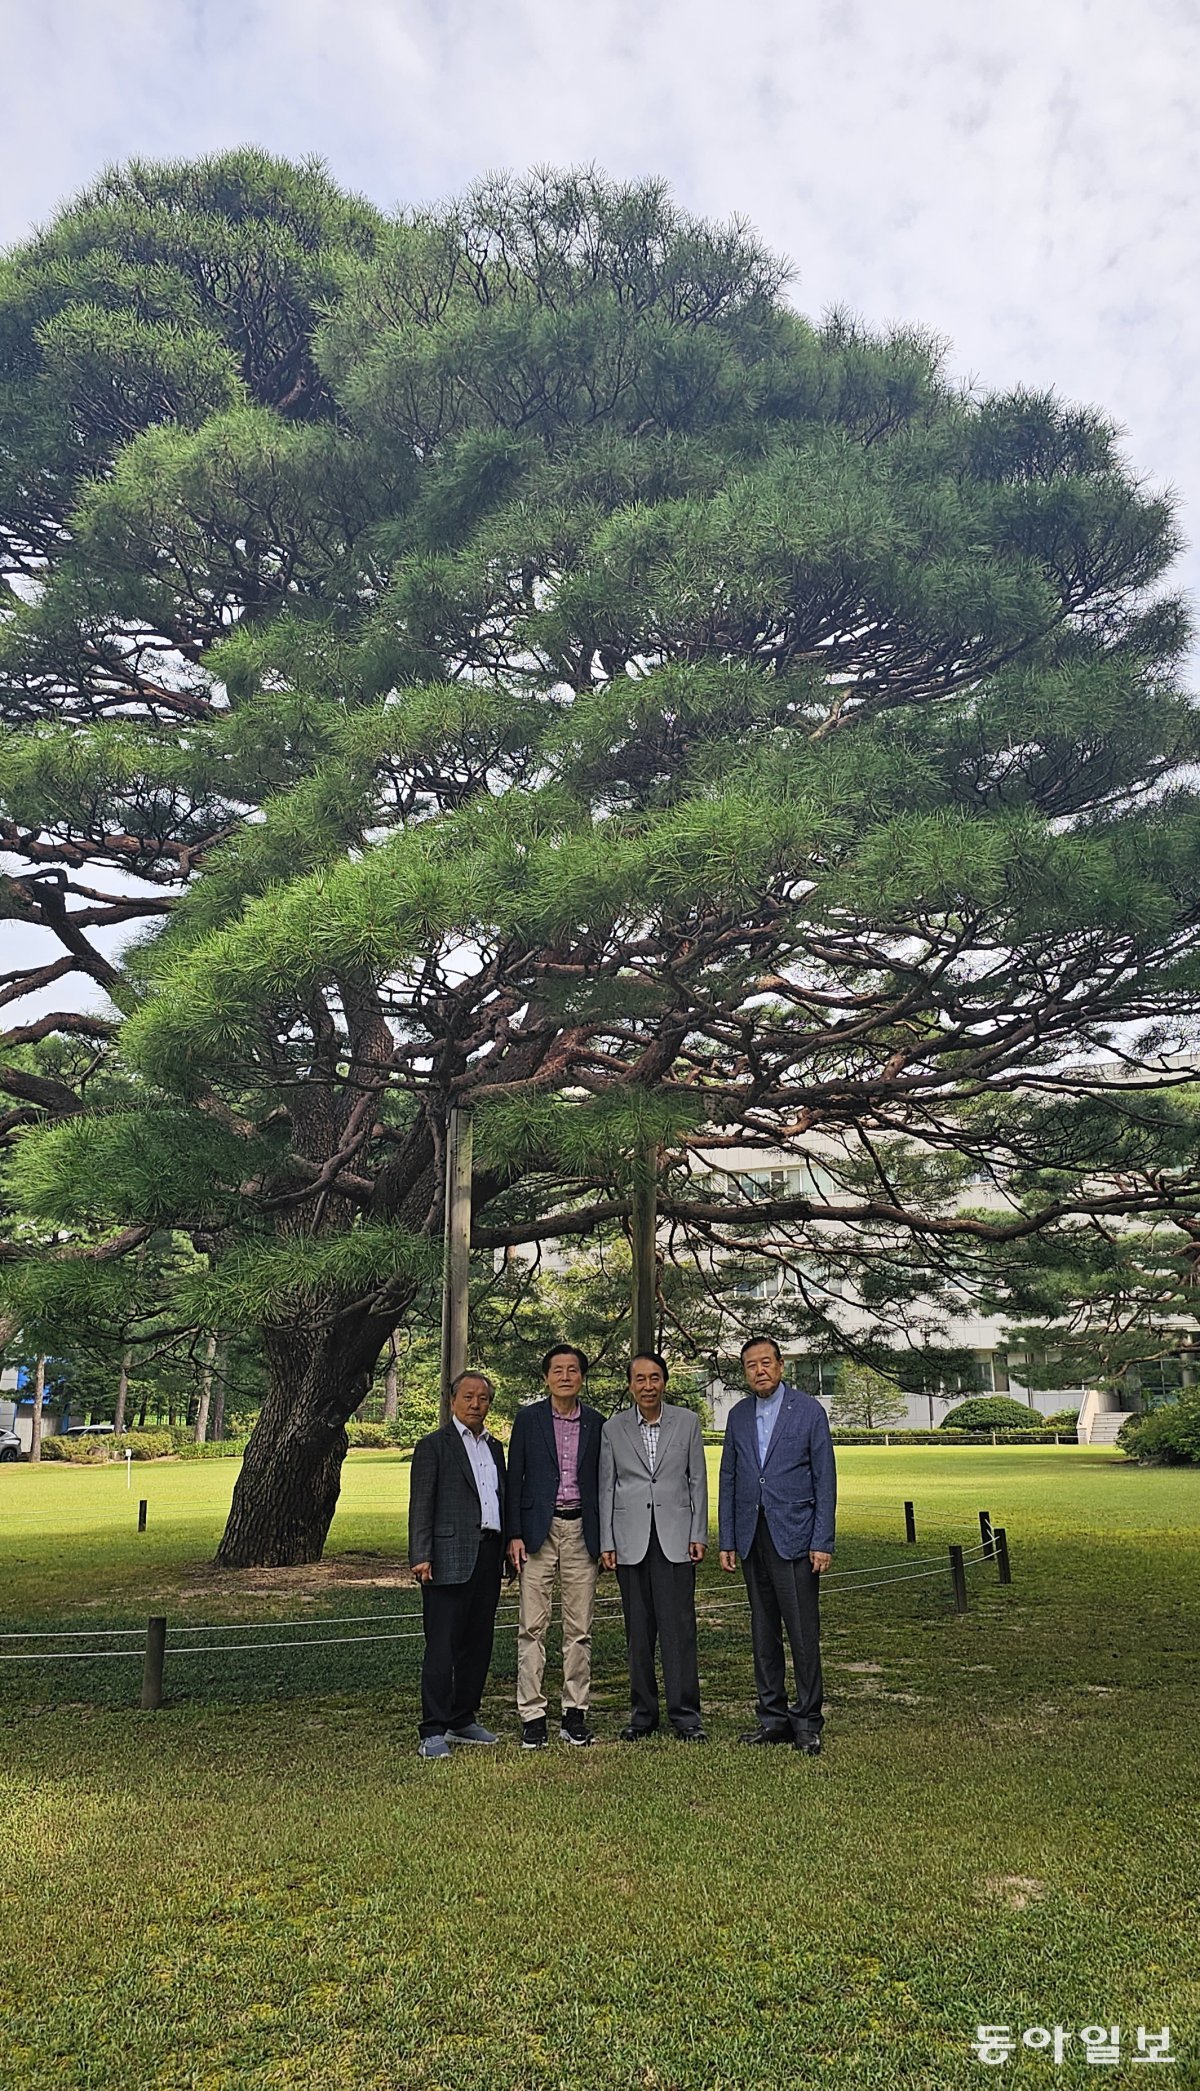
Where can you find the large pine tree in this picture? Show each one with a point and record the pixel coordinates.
(506, 656)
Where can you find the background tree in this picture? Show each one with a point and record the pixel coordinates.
(865, 1398)
(507, 656)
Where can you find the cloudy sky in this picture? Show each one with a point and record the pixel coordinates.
(1023, 178)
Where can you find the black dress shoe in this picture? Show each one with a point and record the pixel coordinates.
(691, 1735)
(635, 1734)
(765, 1735)
(808, 1745)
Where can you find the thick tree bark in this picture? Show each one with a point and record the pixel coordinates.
(287, 1491)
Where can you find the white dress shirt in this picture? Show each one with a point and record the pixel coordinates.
(487, 1479)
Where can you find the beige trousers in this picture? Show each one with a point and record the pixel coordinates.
(564, 1555)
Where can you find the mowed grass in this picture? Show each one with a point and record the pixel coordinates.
(262, 1885)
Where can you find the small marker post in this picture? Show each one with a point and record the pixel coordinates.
(1002, 1561)
(142, 1506)
(128, 1469)
(985, 1534)
(959, 1578)
(910, 1525)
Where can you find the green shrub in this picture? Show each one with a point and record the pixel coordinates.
(213, 1448)
(143, 1444)
(1062, 1419)
(77, 1452)
(1169, 1437)
(989, 1412)
(373, 1437)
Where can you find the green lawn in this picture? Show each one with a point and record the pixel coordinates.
(262, 1885)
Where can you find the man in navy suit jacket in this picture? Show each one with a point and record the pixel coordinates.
(552, 1523)
(778, 1494)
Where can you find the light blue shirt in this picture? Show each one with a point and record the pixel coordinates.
(766, 1414)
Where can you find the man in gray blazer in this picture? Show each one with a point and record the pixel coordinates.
(653, 1531)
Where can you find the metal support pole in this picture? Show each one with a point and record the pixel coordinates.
(959, 1578)
(985, 1533)
(644, 1229)
(152, 1668)
(910, 1525)
(1002, 1561)
(456, 1265)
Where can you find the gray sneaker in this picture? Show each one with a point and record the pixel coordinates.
(434, 1746)
(472, 1733)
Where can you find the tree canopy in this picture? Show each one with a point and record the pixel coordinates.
(506, 655)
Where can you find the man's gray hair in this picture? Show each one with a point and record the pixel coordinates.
(470, 1372)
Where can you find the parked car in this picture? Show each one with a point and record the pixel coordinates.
(10, 1445)
(88, 1430)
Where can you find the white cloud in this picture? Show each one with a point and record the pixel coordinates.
(1022, 179)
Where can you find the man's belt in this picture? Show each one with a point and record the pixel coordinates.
(576, 1512)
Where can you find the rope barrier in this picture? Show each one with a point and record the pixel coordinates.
(609, 1608)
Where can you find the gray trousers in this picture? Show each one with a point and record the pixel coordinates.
(659, 1601)
(784, 1598)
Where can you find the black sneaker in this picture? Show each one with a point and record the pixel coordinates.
(574, 1727)
(533, 1735)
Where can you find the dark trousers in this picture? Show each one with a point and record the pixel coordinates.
(659, 1601)
(460, 1624)
(784, 1597)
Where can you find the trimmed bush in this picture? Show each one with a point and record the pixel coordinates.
(989, 1412)
(372, 1437)
(77, 1452)
(1168, 1437)
(1062, 1419)
(143, 1444)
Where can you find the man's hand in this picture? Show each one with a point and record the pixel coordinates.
(423, 1571)
(820, 1562)
(728, 1560)
(609, 1560)
(517, 1556)
(696, 1550)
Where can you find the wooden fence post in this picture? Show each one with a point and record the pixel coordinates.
(152, 1668)
(910, 1525)
(959, 1579)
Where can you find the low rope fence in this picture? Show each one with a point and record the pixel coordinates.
(150, 1640)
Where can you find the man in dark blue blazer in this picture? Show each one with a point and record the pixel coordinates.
(552, 1522)
(778, 1494)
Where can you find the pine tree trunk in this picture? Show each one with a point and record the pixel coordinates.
(206, 1380)
(391, 1385)
(287, 1490)
(217, 1431)
(35, 1428)
(122, 1391)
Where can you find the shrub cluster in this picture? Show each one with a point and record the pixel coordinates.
(988, 1412)
(1167, 1437)
(77, 1452)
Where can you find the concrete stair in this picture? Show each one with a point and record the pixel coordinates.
(1107, 1425)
